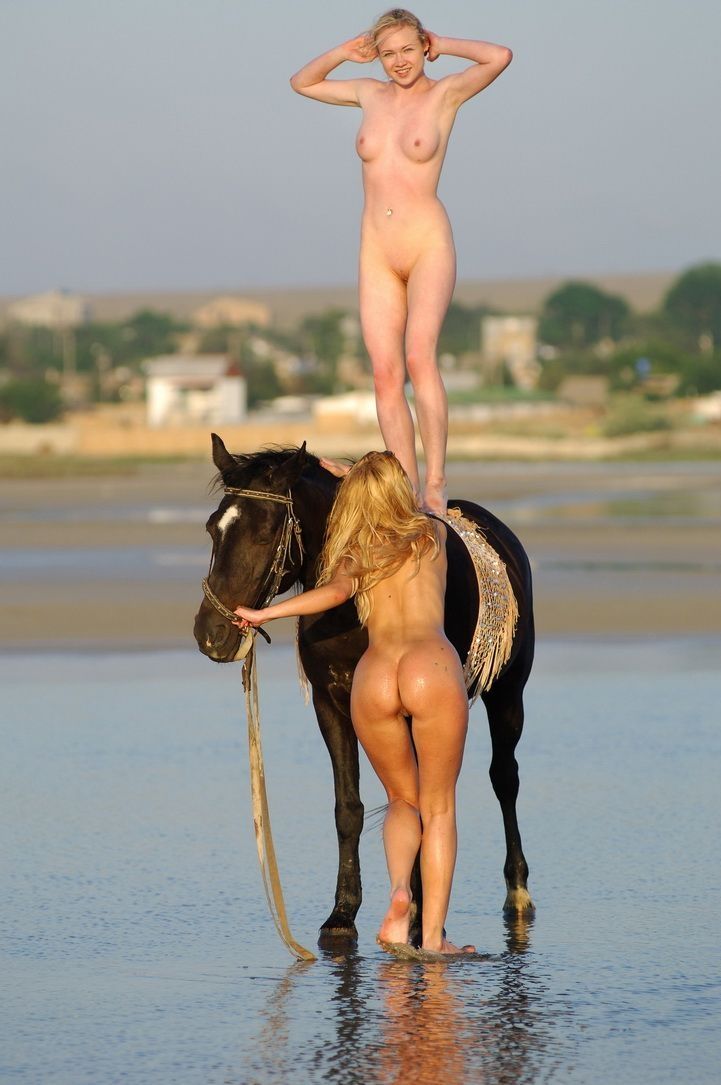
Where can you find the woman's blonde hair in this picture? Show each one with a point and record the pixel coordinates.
(396, 17)
(374, 526)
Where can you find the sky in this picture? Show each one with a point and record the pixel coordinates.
(156, 144)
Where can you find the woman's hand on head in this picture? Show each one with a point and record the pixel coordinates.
(335, 468)
(433, 46)
(247, 616)
(360, 50)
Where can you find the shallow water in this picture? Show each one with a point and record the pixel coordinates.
(136, 942)
(106, 563)
(673, 493)
(595, 496)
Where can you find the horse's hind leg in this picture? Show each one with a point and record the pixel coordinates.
(339, 737)
(504, 704)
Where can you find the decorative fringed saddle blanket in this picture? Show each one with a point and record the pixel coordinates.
(497, 607)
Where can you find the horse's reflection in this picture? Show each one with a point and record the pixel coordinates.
(388, 1021)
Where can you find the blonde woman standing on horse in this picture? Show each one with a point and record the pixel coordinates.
(407, 256)
(408, 700)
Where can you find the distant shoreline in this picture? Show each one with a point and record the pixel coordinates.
(596, 575)
(643, 292)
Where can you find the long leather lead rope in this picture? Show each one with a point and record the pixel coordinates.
(291, 531)
(261, 814)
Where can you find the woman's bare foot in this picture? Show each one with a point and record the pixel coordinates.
(397, 919)
(449, 948)
(337, 469)
(435, 497)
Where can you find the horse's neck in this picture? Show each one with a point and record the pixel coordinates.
(312, 507)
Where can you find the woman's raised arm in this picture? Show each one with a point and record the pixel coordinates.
(312, 79)
(489, 61)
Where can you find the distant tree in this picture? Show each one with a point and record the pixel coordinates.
(630, 368)
(700, 374)
(576, 363)
(112, 339)
(27, 351)
(220, 340)
(129, 342)
(262, 383)
(579, 314)
(323, 336)
(30, 400)
(461, 331)
(694, 302)
(152, 333)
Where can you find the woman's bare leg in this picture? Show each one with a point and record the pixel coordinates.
(383, 733)
(383, 312)
(429, 291)
(401, 841)
(440, 720)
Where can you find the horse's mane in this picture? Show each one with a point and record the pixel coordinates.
(266, 459)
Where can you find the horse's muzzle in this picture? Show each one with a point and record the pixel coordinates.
(218, 639)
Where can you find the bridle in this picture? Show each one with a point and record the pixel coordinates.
(290, 531)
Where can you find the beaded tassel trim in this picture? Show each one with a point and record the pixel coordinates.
(497, 608)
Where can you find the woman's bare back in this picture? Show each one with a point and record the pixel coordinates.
(409, 663)
(409, 605)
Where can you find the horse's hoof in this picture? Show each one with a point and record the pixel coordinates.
(518, 901)
(337, 940)
(336, 929)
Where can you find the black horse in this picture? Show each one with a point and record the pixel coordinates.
(267, 534)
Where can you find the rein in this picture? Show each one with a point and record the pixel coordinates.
(290, 531)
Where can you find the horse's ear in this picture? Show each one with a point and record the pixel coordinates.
(221, 457)
(291, 470)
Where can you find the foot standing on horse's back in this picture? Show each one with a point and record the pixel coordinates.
(408, 701)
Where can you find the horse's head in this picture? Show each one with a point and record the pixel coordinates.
(257, 543)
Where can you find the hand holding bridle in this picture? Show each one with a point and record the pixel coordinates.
(249, 617)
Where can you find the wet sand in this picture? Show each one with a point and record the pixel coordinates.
(601, 568)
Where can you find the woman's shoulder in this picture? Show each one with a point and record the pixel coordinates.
(368, 88)
(439, 528)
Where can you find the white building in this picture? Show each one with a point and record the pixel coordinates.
(56, 309)
(200, 389)
(511, 341)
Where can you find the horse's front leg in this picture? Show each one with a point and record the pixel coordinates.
(338, 734)
(504, 704)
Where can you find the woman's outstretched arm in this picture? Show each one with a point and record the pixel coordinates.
(336, 591)
(312, 80)
(489, 61)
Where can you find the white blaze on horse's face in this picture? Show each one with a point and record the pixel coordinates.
(228, 517)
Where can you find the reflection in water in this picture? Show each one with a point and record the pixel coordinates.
(422, 1037)
(386, 1021)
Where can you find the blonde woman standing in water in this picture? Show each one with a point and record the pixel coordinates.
(408, 700)
(407, 257)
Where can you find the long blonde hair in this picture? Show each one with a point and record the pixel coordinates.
(393, 18)
(374, 527)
